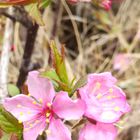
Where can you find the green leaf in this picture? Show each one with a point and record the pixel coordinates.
(6, 136)
(80, 83)
(45, 3)
(52, 75)
(35, 13)
(59, 63)
(13, 90)
(9, 123)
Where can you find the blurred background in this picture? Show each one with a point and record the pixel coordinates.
(96, 40)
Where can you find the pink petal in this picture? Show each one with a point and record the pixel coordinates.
(105, 102)
(58, 131)
(40, 88)
(22, 107)
(99, 131)
(33, 128)
(66, 108)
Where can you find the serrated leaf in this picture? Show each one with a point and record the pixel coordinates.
(9, 123)
(13, 90)
(59, 64)
(35, 13)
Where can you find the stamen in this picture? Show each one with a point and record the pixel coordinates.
(40, 133)
(19, 121)
(18, 105)
(109, 97)
(98, 85)
(111, 90)
(47, 121)
(37, 121)
(34, 102)
(29, 95)
(21, 113)
(49, 104)
(48, 131)
(99, 96)
(31, 125)
(48, 114)
(29, 112)
(40, 100)
(116, 108)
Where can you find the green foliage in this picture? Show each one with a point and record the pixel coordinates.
(9, 124)
(59, 63)
(34, 12)
(13, 90)
(80, 83)
(45, 3)
(59, 75)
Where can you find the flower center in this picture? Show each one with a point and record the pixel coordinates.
(48, 112)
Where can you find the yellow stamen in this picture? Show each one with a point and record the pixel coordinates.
(18, 105)
(31, 125)
(34, 102)
(21, 113)
(47, 121)
(40, 100)
(29, 94)
(98, 85)
(40, 133)
(109, 97)
(48, 114)
(49, 104)
(37, 121)
(29, 112)
(48, 132)
(116, 108)
(19, 121)
(99, 96)
(111, 90)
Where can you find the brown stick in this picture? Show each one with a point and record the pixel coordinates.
(29, 47)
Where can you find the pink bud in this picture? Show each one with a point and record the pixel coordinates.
(106, 4)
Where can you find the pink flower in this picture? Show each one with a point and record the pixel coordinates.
(105, 102)
(42, 109)
(99, 131)
(106, 4)
(121, 62)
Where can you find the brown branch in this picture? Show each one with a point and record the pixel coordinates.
(19, 15)
(29, 46)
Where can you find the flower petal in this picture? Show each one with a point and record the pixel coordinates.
(105, 102)
(66, 108)
(99, 131)
(109, 108)
(58, 131)
(34, 127)
(40, 88)
(22, 107)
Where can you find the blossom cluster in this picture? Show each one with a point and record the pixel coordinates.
(100, 102)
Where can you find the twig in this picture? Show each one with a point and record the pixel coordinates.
(7, 43)
(29, 46)
(19, 15)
